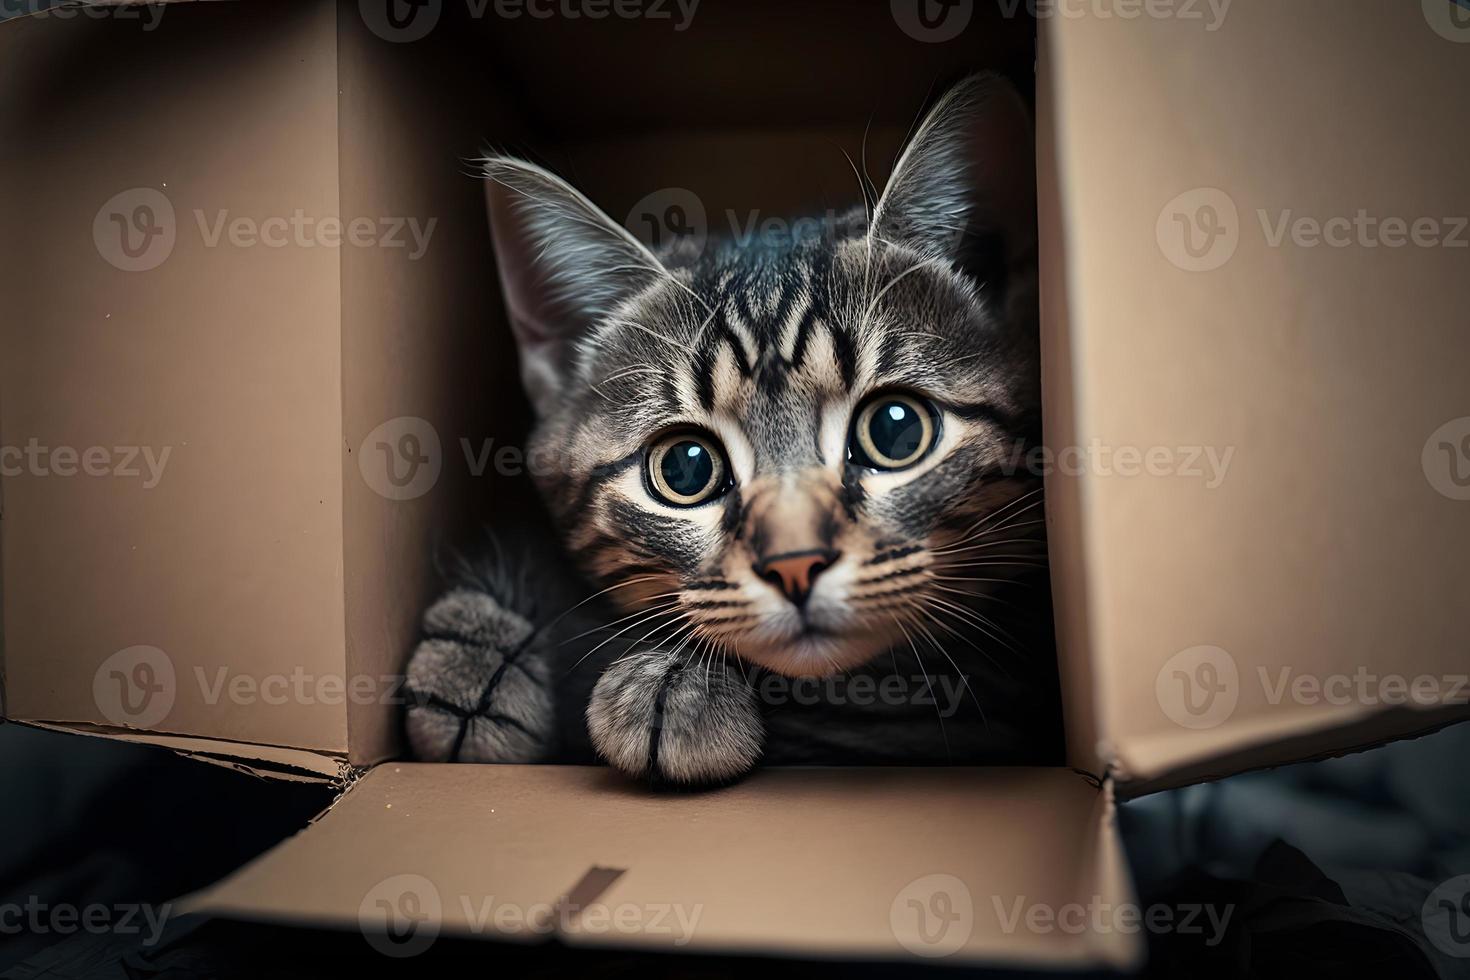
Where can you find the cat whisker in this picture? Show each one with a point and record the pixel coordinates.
(976, 619)
(1003, 563)
(934, 615)
(621, 585)
(965, 680)
(929, 682)
(950, 549)
(976, 528)
(982, 538)
(669, 604)
(625, 629)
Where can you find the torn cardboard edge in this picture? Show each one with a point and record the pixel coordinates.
(265, 761)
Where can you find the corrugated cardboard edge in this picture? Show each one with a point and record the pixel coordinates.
(265, 761)
(1065, 507)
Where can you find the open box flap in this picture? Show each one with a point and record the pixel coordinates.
(850, 863)
(181, 571)
(1244, 609)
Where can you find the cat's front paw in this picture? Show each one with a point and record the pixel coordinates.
(479, 685)
(668, 718)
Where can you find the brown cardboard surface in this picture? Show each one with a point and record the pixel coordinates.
(1327, 550)
(423, 336)
(230, 357)
(822, 862)
(1064, 531)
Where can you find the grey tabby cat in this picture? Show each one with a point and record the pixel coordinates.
(792, 471)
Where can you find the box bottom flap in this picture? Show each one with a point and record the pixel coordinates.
(966, 864)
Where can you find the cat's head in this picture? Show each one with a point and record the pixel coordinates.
(793, 453)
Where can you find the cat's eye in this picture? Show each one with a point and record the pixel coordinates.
(687, 468)
(892, 430)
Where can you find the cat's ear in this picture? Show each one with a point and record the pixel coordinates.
(563, 264)
(964, 189)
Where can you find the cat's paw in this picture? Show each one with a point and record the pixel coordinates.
(667, 718)
(478, 685)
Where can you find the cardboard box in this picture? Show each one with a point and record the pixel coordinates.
(218, 260)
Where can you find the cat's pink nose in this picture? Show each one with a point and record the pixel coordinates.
(795, 571)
